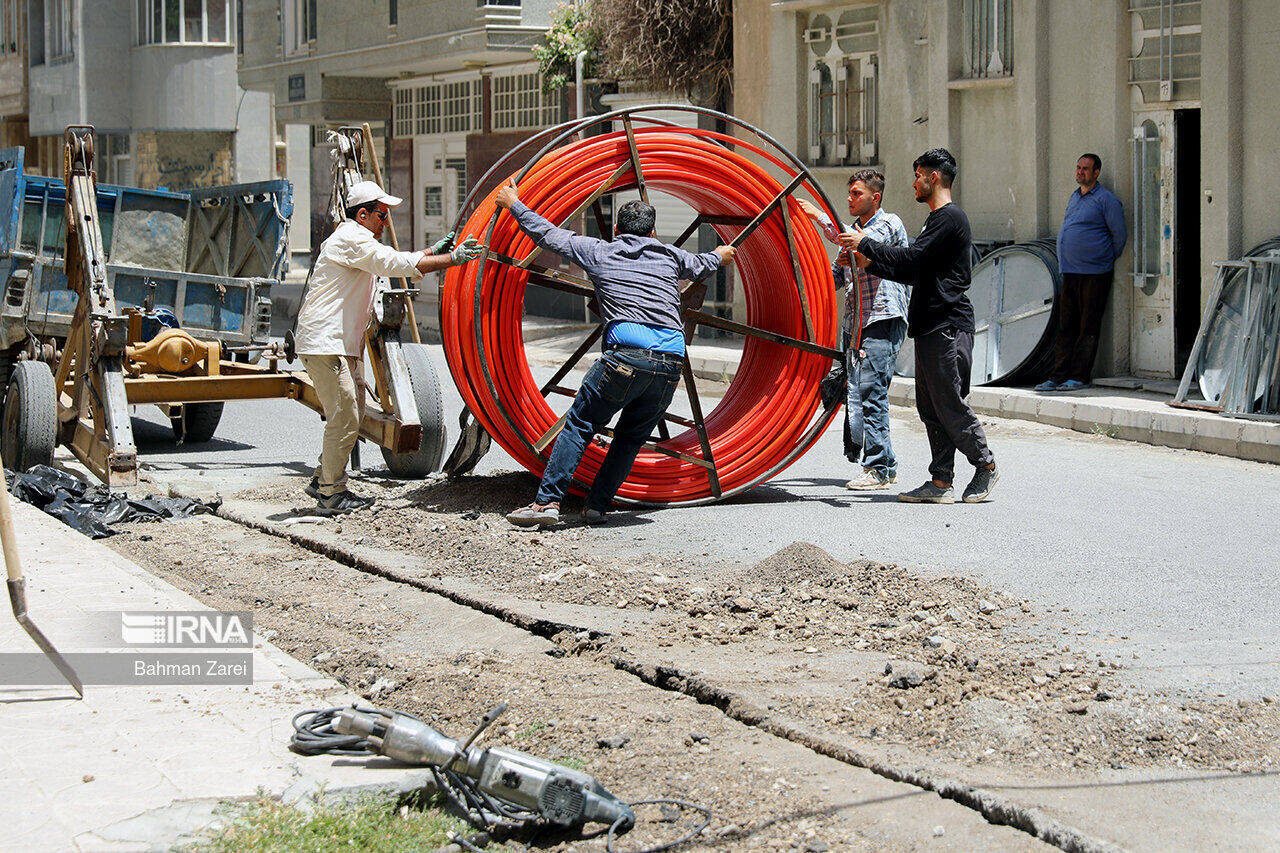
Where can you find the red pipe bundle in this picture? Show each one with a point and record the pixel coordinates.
(765, 419)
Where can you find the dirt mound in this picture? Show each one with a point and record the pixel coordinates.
(797, 563)
(498, 493)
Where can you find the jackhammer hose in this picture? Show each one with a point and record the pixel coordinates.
(766, 418)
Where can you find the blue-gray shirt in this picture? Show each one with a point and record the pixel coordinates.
(636, 278)
(1093, 233)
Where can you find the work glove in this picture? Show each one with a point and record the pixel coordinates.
(444, 245)
(832, 387)
(468, 251)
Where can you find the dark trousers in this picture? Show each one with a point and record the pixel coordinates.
(1080, 308)
(943, 361)
(639, 383)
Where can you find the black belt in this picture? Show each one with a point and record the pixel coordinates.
(659, 355)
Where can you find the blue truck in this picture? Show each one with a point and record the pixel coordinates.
(115, 297)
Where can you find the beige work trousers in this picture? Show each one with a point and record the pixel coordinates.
(339, 383)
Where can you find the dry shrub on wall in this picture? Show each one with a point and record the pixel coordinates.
(669, 45)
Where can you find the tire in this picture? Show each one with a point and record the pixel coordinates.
(30, 416)
(426, 396)
(201, 422)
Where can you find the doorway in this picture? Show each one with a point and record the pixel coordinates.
(1186, 248)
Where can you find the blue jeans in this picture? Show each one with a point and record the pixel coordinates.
(638, 382)
(880, 341)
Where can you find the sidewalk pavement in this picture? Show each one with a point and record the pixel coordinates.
(137, 767)
(1131, 413)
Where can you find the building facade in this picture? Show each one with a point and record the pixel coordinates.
(156, 79)
(1176, 96)
(447, 87)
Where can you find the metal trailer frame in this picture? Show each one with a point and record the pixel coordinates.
(105, 366)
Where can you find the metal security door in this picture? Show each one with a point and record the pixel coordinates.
(1151, 348)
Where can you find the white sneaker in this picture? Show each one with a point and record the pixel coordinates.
(871, 480)
(535, 515)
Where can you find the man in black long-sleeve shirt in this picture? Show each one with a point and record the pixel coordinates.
(940, 320)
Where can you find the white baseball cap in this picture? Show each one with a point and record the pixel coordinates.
(367, 191)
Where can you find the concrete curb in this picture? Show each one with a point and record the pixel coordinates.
(994, 807)
(1185, 429)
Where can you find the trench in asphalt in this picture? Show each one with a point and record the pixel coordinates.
(993, 807)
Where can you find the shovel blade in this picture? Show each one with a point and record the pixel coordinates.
(18, 598)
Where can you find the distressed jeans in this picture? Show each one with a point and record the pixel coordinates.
(881, 341)
(639, 383)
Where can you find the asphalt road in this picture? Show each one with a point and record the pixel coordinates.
(1170, 556)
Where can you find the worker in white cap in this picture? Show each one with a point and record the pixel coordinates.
(334, 319)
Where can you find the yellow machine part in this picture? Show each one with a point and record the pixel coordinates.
(176, 352)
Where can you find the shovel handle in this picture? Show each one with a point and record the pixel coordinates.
(7, 534)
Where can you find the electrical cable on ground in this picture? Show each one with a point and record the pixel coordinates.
(766, 418)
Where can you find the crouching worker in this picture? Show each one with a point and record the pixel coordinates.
(334, 319)
(636, 282)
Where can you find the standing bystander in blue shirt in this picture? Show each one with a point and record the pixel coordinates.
(1092, 237)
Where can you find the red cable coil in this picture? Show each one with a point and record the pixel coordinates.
(763, 422)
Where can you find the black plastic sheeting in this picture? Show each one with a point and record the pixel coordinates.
(92, 509)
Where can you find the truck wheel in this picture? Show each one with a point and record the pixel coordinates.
(30, 416)
(197, 422)
(426, 396)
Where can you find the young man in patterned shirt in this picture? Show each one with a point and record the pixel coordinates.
(881, 305)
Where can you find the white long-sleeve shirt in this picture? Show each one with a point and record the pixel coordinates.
(335, 314)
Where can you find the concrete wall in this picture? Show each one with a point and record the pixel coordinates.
(255, 145)
(181, 87)
(1017, 139)
(179, 160)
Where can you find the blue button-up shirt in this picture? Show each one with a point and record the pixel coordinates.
(1093, 233)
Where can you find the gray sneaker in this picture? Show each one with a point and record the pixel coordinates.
(535, 515)
(313, 489)
(594, 516)
(981, 484)
(928, 494)
(342, 502)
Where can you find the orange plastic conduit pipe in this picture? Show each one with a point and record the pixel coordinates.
(766, 418)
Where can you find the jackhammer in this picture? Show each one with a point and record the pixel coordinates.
(561, 796)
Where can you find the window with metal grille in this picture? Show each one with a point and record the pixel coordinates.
(1146, 206)
(9, 26)
(459, 167)
(58, 35)
(401, 113)
(433, 201)
(988, 33)
(456, 106)
(183, 22)
(841, 49)
(298, 19)
(1166, 61)
(519, 104)
(437, 108)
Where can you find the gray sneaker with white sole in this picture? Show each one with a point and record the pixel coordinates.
(984, 479)
(929, 493)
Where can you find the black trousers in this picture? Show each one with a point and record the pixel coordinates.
(943, 361)
(1080, 308)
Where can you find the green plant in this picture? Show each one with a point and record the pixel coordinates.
(571, 32)
(373, 824)
(530, 730)
(1105, 429)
